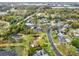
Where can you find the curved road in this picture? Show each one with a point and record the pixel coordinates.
(52, 43)
(48, 34)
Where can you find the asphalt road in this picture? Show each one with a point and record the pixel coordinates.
(52, 43)
(28, 16)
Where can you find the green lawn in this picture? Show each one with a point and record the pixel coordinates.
(55, 37)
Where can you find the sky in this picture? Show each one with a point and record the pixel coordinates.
(39, 0)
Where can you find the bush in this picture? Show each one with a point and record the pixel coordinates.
(75, 43)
